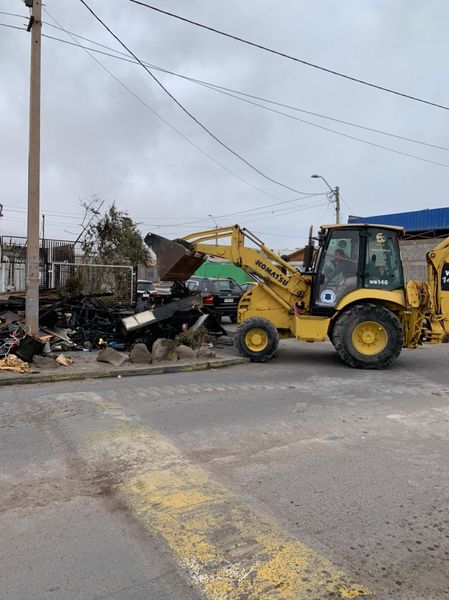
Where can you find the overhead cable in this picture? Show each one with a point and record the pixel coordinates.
(229, 92)
(290, 57)
(186, 111)
(156, 114)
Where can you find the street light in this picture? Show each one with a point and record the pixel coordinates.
(216, 227)
(335, 193)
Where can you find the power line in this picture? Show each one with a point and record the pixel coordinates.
(186, 111)
(216, 87)
(148, 107)
(290, 57)
(346, 135)
(12, 26)
(219, 88)
(223, 89)
(10, 14)
(226, 91)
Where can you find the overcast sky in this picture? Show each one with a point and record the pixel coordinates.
(100, 140)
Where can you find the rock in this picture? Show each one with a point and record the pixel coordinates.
(185, 352)
(64, 360)
(44, 362)
(205, 353)
(111, 356)
(140, 354)
(164, 349)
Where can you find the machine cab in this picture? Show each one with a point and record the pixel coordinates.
(355, 257)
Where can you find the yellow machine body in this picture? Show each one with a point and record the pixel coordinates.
(367, 326)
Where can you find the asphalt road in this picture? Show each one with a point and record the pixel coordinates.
(180, 486)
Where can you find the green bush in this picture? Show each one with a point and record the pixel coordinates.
(190, 338)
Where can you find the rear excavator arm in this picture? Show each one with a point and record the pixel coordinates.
(438, 280)
(278, 278)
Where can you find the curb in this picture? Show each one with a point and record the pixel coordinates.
(216, 363)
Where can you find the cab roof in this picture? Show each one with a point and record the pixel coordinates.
(399, 230)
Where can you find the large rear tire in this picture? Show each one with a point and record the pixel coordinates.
(257, 339)
(368, 336)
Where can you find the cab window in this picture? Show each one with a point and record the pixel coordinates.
(383, 268)
(338, 267)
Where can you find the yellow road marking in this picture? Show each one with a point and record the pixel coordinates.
(229, 549)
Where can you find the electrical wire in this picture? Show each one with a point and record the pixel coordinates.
(12, 26)
(227, 91)
(124, 57)
(186, 111)
(290, 57)
(346, 135)
(10, 14)
(161, 118)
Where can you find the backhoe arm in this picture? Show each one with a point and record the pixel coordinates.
(179, 259)
(438, 279)
(260, 260)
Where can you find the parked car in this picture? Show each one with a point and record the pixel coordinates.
(221, 295)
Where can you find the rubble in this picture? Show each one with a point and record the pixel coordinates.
(64, 360)
(204, 352)
(12, 363)
(90, 322)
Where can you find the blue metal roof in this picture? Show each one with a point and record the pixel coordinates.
(418, 220)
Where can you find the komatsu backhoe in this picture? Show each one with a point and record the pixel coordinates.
(351, 291)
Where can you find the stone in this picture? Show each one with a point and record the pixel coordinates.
(111, 356)
(140, 355)
(184, 351)
(164, 349)
(205, 353)
(44, 362)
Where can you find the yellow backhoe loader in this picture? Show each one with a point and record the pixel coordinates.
(352, 291)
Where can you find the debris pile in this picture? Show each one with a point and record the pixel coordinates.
(85, 323)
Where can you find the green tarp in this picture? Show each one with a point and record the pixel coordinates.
(222, 269)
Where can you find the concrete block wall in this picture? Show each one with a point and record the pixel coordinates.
(413, 254)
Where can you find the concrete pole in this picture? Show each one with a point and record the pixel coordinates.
(32, 266)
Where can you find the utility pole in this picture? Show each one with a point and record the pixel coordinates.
(337, 204)
(32, 265)
(335, 193)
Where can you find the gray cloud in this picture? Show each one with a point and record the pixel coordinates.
(98, 139)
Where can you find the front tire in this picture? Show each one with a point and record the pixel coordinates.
(368, 336)
(257, 339)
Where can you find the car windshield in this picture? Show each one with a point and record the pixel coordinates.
(144, 286)
(225, 285)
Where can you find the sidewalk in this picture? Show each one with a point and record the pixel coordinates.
(85, 366)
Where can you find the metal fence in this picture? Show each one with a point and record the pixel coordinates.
(80, 278)
(72, 278)
(62, 266)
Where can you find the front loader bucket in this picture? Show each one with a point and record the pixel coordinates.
(176, 261)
